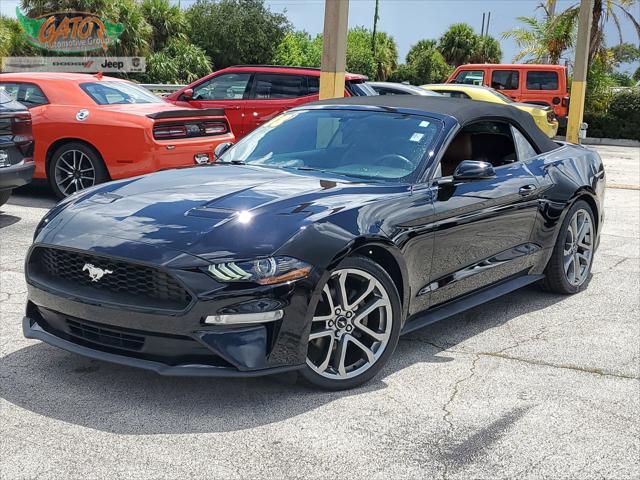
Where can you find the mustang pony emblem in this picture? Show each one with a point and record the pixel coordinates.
(94, 272)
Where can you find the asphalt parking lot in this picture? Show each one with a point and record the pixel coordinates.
(533, 385)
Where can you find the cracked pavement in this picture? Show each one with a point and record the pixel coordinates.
(532, 385)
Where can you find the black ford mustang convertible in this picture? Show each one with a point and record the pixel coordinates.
(316, 241)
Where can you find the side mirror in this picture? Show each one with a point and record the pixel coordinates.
(220, 149)
(473, 170)
(187, 95)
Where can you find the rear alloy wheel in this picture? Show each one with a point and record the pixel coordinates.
(74, 167)
(578, 248)
(569, 268)
(355, 326)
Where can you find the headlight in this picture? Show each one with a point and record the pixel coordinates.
(265, 271)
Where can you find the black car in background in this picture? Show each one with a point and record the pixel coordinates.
(317, 240)
(16, 146)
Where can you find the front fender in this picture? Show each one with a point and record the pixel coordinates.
(325, 245)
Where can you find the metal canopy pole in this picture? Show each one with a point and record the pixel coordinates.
(334, 48)
(579, 84)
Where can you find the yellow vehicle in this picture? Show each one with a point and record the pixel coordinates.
(543, 115)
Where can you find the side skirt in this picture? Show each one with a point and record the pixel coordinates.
(468, 301)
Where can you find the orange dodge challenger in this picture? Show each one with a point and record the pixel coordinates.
(89, 129)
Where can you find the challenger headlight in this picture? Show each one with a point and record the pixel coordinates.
(265, 271)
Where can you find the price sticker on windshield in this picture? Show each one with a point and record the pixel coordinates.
(416, 137)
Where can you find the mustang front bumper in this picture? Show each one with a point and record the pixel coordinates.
(94, 324)
(32, 329)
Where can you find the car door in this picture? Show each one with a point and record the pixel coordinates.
(542, 87)
(506, 82)
(229, 91)
(482, 227)
(273, 93)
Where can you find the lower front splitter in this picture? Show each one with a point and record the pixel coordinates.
(32, 330)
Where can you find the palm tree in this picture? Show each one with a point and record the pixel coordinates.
(487, 51)
(605, 10)
(458, 44)
(544, 38)
(385, 55)
(168, 21)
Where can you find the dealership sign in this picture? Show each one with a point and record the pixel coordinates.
(74, 64)
(70, 31)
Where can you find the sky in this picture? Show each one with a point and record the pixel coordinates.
(411, 20)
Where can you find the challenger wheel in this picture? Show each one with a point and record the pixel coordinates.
(355, 326)
(73, 167)
(569, 268)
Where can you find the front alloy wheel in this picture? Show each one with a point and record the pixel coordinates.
(355, 326)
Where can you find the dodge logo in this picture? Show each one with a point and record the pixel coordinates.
(94, 272)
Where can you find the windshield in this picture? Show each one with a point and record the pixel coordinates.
(361, 89)
(375, 145)
(110, 93)
(4, 98)
(501, 96)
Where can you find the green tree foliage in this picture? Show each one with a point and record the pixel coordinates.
(12, 39)
(622, 120)
(35, 8)
(236, 31)
(299, 49)
(385, 56)
(359, 55)
(425, 64)
(5, 39)
(135, 40)
(179, 62)
(167, 21)
(625, 53)
(458, 44)
(622, 79)
(599, 84)
(487, 51)
(548, 37)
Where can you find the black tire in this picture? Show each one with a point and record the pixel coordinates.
(379, 321)
(4, 196)
(62, 161)
(556, 278)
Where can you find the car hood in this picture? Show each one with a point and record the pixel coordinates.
(218, 211)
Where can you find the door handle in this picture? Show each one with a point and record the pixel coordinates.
(527, 189)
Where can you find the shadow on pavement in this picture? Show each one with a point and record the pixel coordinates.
(7, 220)
(35, 195)
(124, 400)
